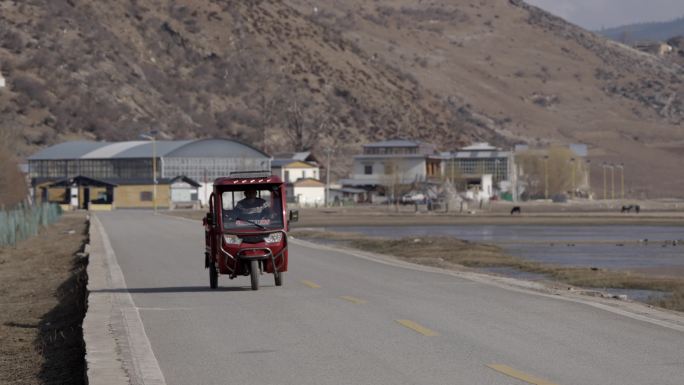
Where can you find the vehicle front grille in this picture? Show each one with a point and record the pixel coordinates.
(252, 238)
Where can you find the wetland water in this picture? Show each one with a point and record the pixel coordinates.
(619, 247)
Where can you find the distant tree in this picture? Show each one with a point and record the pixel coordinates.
(557, 169)
(391, 180)
(12, 183)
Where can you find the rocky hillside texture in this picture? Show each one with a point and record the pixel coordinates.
(258, 71)
(677, 54)
(296, 74)
(531, 77)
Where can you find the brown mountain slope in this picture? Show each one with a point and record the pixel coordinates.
(531, 77)
(303, 73)
(255, 70)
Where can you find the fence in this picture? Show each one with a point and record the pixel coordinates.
(25, 221)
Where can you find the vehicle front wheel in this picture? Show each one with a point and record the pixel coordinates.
(279, 278)
(213, 276)
(254, 274)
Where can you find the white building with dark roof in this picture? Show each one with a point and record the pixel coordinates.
(404, 161)
(291, 167)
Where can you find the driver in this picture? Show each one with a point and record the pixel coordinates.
(252, 206)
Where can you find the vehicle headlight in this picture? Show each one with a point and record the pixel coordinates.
(232, 239)
(274, 237)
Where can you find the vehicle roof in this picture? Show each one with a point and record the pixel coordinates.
(242, 181)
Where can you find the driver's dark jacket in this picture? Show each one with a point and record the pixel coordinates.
(252, 207)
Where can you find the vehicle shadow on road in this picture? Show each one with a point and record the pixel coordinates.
(178, 289)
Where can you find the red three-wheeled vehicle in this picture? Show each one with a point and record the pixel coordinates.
(246, 227)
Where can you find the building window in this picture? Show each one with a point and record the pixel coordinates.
(368, 169)
(146, 196)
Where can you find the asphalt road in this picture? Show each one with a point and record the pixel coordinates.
(341, 319)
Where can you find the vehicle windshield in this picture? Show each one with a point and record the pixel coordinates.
(253, 208)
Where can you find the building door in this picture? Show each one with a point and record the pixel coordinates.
(86, 197)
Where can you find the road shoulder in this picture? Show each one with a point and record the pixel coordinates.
(117, 348)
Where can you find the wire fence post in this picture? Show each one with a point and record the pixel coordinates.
(25, 221)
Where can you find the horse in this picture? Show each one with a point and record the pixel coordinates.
(515, 210)
(629, 208)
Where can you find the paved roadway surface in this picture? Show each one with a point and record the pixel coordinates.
(341, 319)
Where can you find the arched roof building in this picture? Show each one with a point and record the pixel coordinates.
(201, 159)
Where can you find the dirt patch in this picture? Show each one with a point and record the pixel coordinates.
(42, 305)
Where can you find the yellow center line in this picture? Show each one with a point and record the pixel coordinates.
(507, 370)
(310, 284)
(417, 328)
(353, 299)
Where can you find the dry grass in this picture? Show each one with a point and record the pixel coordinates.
(453, 253)
(42, 286)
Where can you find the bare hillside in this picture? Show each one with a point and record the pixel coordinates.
(530, 76)
(310, 74)
(253, 70)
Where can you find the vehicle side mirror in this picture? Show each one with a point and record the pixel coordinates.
(209, 219)
(294, 215)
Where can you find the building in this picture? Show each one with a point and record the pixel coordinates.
(121, 173)
(291, 167)
(393, 163)
(654, 48)
(340, 196)
(307, 192)
(470, 164)
(301, 172)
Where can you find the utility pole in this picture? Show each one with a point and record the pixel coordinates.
(496, 172)
(605, 182)
(546, 177)
(452, 169)
(589, 178)
(622, 180)
(572, 164)
(328, 151)
(151, 137)
(612, 182)
(206, 188)
(154, 174)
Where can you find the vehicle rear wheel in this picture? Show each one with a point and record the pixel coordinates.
(279, 278)
(213, 276)
(254, 273)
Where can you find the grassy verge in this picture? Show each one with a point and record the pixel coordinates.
(454, 253)
(43, 288)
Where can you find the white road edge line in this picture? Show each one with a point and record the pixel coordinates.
(667, 320)
(117, 348)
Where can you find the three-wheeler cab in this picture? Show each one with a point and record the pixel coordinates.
(246, 227)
